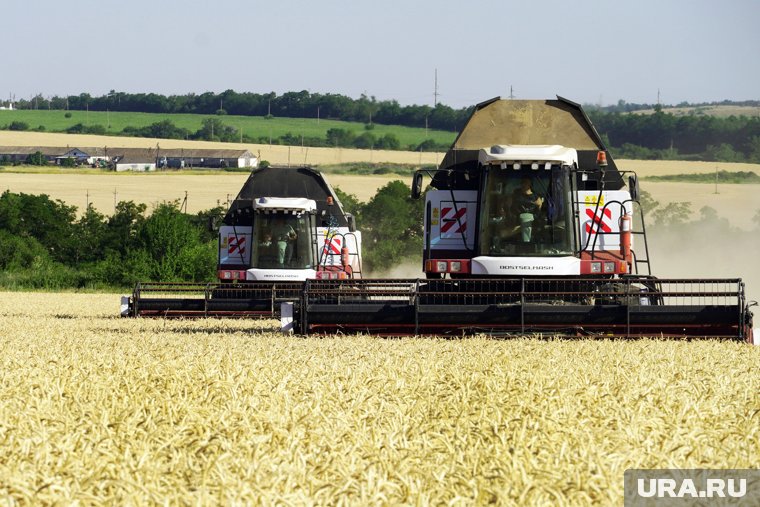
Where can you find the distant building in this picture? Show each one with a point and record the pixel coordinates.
(19, 154)
(180, 157)
(80, 157)
(135, 159)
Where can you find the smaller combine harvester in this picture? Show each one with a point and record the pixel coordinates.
(285, 226)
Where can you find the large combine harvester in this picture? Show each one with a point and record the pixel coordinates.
(529, 228)
(285, 226)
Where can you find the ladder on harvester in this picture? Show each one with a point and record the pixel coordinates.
(637, 260)
(330, 256)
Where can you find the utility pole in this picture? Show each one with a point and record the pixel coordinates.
(511, 93)
(716, 179)
(435, 90)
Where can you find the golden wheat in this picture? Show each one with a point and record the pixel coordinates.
(94, 408)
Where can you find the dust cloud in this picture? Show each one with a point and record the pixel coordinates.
(706, 251)
(711, 250)
(407, 269)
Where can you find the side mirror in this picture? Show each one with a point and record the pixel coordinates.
(351, 222)
(633, 187)
(417, 185)
(212, 225)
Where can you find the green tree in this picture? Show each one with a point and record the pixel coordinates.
(723, 153)
(36, 158)
(17, 253)
(37, 216)
(648, 204)
(388, 142)
(90, 231)
(213, 129)
(349, 202)
(340, 138)
(175, 247)
(753, 151)
(18, 125)
(427, 145)
(673, 214)
(365, 141)
(207, 222)
(123, 228)
(391, 224)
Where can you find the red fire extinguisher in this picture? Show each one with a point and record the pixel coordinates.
(345, 261)
(625, 236)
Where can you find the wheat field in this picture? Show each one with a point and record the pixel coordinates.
(94, 408)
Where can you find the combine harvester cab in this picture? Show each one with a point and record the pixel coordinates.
(529, 228)
(285, 226)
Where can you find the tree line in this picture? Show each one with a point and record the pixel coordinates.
(301, 104)
(45, 245)
(214, 129)
(666, 136)
(641, 136)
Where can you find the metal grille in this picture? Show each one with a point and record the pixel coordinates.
(631, 306)
(213, 299)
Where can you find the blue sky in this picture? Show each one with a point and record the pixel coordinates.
(588, 51)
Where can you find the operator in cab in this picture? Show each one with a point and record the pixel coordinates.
(284, 235)
(525, 206)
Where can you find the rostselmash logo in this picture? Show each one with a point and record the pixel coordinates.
(692, 487)
(526, 268)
